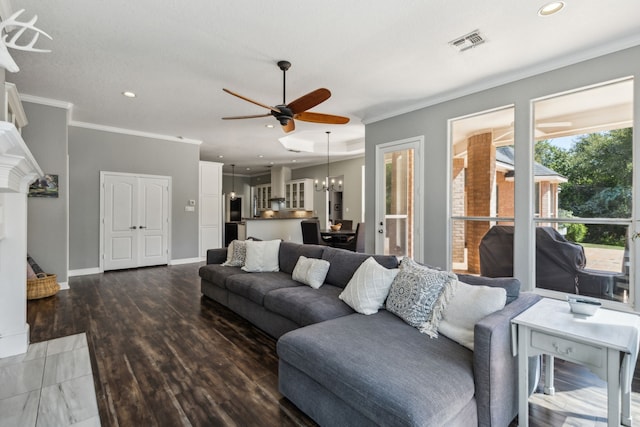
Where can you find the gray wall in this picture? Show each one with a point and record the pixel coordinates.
(92, 151)
(46, 137)
(432, 123)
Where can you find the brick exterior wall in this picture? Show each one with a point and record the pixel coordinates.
(506, 194)
(481, 171)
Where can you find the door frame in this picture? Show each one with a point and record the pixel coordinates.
(101, 253)
(416, 143)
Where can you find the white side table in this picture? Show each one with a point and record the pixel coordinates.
(606, 343)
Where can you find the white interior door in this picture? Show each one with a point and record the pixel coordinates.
(120, 222)
(154, 221)
(135, 220)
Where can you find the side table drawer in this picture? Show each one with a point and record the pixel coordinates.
(567, 349)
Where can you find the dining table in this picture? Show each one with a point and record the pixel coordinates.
(337, 236)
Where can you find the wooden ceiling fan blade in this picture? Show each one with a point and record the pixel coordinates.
(274, 109)
(254, 116)
(309, 100)
(289, 127)
(322, 118)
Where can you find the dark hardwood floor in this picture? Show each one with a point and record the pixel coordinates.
(163, 355)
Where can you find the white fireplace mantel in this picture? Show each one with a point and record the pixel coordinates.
(18, 169)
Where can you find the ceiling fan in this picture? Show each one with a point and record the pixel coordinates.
(541, 129)
(286, 113)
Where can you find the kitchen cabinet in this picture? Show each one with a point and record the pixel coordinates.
(299, 194)
(263, 194)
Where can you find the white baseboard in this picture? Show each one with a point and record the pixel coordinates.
(63, 285)
(186, 261)
(83, 272)
(14, 342)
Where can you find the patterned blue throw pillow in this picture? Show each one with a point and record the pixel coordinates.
(419, 294)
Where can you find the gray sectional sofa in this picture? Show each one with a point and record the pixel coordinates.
(346, 369)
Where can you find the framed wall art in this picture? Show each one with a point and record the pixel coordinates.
(46, 186)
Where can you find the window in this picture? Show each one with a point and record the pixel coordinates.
(482, 184)
(583, 148)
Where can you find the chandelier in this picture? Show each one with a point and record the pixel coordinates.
(233, 196)
(328, 185)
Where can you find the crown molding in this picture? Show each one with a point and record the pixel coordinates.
(131, 132)
(69, 107)
(492, 82)
(46, 101)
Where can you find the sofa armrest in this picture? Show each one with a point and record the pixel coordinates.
(495, 368)
(216, 256)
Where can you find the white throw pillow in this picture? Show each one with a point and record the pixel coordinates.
(368, 287)
(236, 254)
(469, 305)
(262, 256)
(310, 271)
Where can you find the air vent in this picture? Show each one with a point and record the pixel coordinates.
(467, 41)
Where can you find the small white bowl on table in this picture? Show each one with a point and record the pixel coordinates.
(583, 305)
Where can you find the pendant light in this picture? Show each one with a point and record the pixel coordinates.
(326, 185)
(232, 196)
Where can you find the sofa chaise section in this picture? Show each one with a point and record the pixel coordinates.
(376, 370)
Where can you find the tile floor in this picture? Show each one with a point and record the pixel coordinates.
(50, 385)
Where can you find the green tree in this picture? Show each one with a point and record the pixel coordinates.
(600, 182)
(599, 169)
(553, 157)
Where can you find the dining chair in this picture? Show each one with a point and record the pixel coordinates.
(354, 243)
(311, 232)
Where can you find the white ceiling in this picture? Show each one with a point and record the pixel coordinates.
(378, 58)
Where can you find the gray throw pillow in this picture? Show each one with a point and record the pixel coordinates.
(236, 254)
(419, 294)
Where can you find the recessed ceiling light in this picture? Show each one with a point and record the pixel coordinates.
(221, 156)
(248, 169)
(270, 126)
(551, 8)
(129, 94)
(293, 161)
(260, 156)
(271, 163)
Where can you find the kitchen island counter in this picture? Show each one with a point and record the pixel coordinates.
(287, 229)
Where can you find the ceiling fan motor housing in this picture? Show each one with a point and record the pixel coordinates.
(284, 115)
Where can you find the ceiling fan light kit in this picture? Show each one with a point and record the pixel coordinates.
(286, 114)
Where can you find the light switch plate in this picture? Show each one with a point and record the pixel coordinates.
(189, 209)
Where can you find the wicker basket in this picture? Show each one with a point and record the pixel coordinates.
(43, 286)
